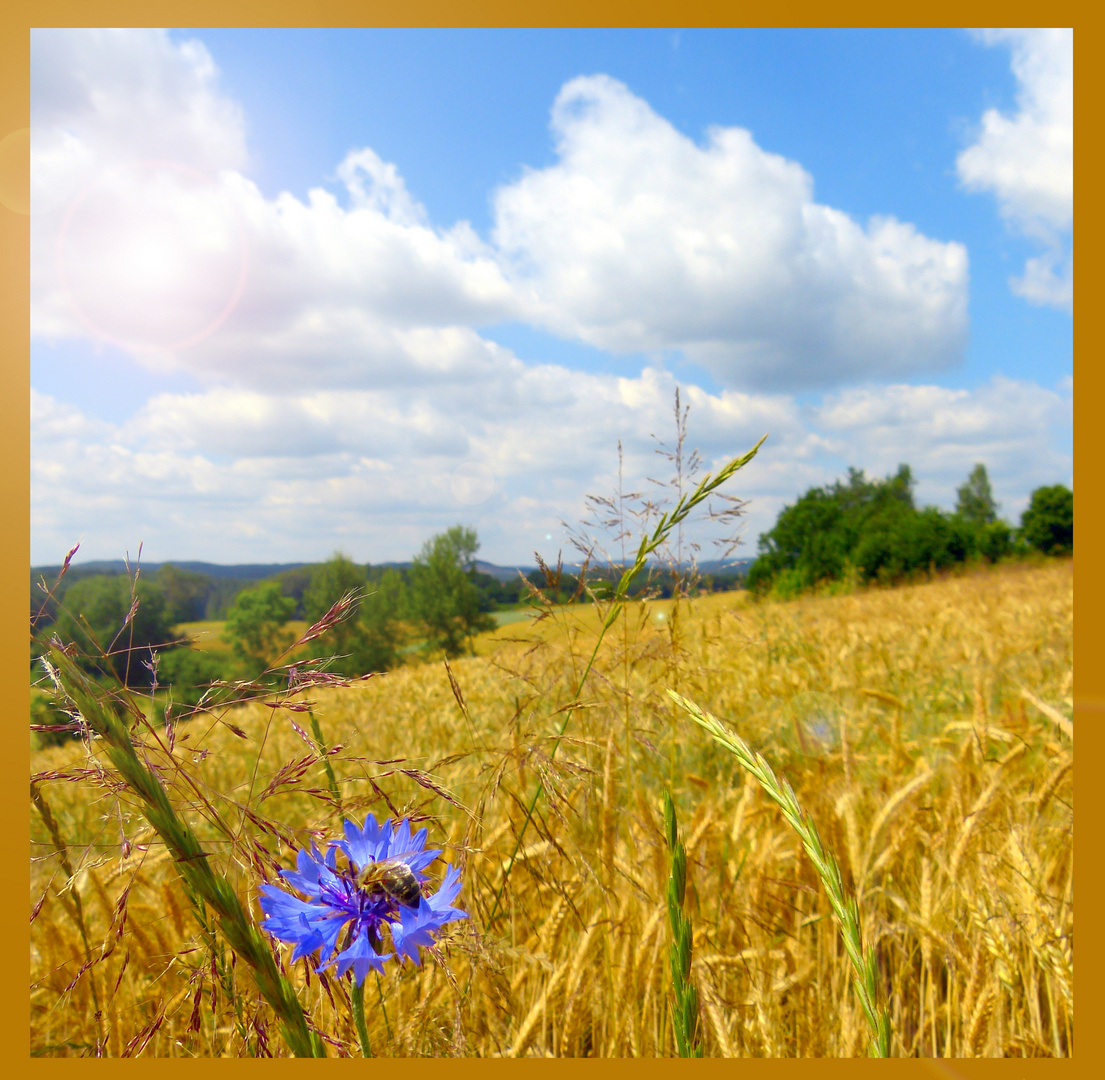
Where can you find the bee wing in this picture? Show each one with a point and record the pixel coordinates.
(416, 859)
(391, 860)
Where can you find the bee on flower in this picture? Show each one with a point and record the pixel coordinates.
(381, 885)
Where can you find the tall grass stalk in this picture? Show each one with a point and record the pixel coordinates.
(844, 907)
(71, 898)
(649, 543)
(102, 718)
(684, 1012)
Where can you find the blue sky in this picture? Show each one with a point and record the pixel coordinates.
(536, 235)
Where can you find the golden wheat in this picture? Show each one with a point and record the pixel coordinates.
(899, 717)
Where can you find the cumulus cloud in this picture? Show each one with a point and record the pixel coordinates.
(218, 474)
(1027, 159)
(152, 237)
(371, 470)
(640, 239)
(1018, 429)
(112, 95)
(147, 234)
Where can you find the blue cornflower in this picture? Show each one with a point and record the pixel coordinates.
(351, 898)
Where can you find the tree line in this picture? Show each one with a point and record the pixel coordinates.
(437, 604)
(861, 530)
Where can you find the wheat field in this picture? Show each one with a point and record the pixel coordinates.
(925, 729)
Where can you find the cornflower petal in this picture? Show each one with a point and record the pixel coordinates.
(360, 956)
(417, 926)
(337, 908)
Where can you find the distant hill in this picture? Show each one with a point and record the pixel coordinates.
(261, 571)
(710, 566)
(241, 571)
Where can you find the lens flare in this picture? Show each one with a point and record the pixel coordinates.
(152, 256)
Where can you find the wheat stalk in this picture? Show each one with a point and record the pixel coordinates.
(844, 907)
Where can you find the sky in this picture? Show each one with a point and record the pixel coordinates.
(303, 291)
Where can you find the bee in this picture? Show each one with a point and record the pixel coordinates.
(394, 878)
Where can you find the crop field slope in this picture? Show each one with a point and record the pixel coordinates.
(924, 729)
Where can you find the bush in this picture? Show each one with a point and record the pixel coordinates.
(94, 617)
(788, 583)
(995, 541)
(255, 626)
(871, 530)
(1048, 523)
(190, 672)
(45, 711)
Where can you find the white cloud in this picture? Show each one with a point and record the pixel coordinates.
(640, 239)
(158, 258)
(147, 234)
(369, 470)
(113, 96)
(344, 380)
(1047, 279)
(1027, 159)
(1019, 430)
(222, 473)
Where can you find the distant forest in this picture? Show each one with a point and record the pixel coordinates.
(199, 591)
(132, 628)
(833, 538)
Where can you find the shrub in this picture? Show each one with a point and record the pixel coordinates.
(190, 672)
(995, 541)
(1048, 523)
(94, 616)
(255, 626)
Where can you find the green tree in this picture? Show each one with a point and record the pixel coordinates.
(976, 500)
(256, 626)
(185, 593)
(94, 615)
(853, 522)
(190, 672)
(359, 646)
(1048, 522)
(330, 581)
(443, 593)
(380, 613)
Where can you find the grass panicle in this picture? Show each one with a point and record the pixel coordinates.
(669, 520)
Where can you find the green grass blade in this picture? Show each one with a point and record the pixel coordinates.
(865, 982)
(100, 714)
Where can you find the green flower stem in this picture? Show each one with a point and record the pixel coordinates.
(102, 717)
(678, 513)
(316, 730)
(844, 907)
(358, 1018)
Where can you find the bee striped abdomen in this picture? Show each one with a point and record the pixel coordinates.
(393, 878)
